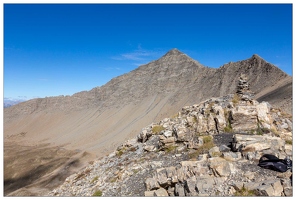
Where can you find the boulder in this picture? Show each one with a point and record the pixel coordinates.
(231, 156)
(254, 143)
(244, 118)
(162, 177)
(179, 190)
(149, 194)
(168, 133)
(263, 110)
(220, 166)
(161, 192)
(203, 184)
(214, 152)
(189, 186)
(151, 184)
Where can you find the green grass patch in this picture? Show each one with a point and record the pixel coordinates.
(98, 193)
(244, 192)
(94, 179)
(157, 129)
(289, 142)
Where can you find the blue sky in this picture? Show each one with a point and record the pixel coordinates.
(61, 49)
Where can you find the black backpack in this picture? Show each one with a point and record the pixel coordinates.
(272, 162)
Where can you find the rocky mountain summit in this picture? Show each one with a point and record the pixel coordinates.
(207, 149)
(91, 124)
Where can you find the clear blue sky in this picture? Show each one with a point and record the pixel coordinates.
(52, 50)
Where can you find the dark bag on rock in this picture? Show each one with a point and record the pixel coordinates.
(272, 162)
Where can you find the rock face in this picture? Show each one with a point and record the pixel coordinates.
(98, 120)
(202, 151)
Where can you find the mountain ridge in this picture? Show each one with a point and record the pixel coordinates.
(165, 69)
(93, 123)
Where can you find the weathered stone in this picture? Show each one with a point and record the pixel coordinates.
(231, 156)
(252, 185)
(256, 143)
(204, 183)
(263, 112)
(168, 140)
(171, 191)
(244, 118)
(143, 136)
(288, 191)
(162, 177)
(179, 190)
(189, 186)
(214, 152)
(249, 175)
(276, 185)
(172, 174)
(238, 185)
(192, 144)
(161, 192)
(220, 166)
(149, 194)
(265, 190)
(150, 148)
(151, 184)
(224, 148)
(181, 148)
(168, 134)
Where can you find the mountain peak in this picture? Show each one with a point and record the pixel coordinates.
(256, 56)
(173, 51)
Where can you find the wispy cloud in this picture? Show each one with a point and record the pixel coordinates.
(139, 54)
(110, 68)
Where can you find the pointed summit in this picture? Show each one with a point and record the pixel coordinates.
(256, 57)
(174, 51)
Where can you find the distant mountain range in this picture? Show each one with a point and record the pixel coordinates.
(10, 102)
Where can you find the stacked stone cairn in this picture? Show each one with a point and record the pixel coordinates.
(243, 88)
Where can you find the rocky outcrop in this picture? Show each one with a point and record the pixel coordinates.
(204, 150)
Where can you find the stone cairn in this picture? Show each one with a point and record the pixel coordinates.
(243, 88)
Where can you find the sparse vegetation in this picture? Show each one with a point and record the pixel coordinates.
(98, 193)
(136, 171)
(244, 192)
(157, 129)
(228, 129)
(289, 142)
(170, 148)
(235, 100)
(112, 180)
(207, 145)
(94, 179)
(275, 132)
(119, 153)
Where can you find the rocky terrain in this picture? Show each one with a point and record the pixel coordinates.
(207, 149)
(93, 123)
